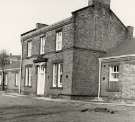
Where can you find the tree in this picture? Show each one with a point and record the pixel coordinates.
(4, 60)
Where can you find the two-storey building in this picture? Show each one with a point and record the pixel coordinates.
(11, 74)
(63, 59)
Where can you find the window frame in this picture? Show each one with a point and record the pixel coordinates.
(42, 44)
(113, 81)
(114, 71)
(59, 41)
(6, 79)
(28, 75)
(0, 80)
(58, 70)
(16, 74)
(29, 51)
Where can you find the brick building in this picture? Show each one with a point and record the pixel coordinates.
(68, 57)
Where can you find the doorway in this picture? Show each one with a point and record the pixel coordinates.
(40, 80)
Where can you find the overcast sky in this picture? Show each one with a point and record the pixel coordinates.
(19, 16)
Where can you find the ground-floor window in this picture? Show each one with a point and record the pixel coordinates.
(16, 78)
(114, 77)
(0, 79)
(57, 75)
(28, 76)
(6, 79)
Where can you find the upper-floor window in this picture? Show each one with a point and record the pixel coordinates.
(29, 48)
(42, 44)
(58, 40)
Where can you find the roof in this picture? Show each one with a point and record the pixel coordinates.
(124, 48)
(15, 65)
(47, 28)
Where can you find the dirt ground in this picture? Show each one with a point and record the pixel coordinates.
(29, 109)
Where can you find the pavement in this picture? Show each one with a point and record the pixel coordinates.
(94, 101)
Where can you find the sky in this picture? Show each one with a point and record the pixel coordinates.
(19, 16)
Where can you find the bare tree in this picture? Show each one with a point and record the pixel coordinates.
(4, 60)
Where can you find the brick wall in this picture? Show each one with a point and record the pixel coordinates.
(66, 55)
(98, 28)
(126, 80)
(85, 72)
(105, 90)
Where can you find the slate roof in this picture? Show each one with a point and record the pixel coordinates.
(13, 65)
(124, 48)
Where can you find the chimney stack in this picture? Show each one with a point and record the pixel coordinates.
(40, 25)
(101, 2)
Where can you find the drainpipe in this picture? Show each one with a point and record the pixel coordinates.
(21, 68)
(99, 82)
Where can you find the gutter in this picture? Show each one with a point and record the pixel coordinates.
(114, 57)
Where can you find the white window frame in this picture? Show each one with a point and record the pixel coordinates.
(0, 80)
(17, 79)
(42, 44)
(59, 37)
(114, 73)
(57, 75)
(29, 48)
(6, 79)
(28, 76)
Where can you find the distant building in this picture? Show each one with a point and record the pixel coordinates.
(88, 54)
(12, 74)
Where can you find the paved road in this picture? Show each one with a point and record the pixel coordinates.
(28, 109)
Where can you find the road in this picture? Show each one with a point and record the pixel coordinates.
(31, 109)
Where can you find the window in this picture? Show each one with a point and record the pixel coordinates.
(114, 78)
(29, 48)
(28, 76)
(6, 79)
(42, 44)
(0, 79)
(114, 73)
(58, 40)
(57, 75)
(16, 78)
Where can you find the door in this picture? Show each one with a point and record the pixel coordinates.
(41, 80)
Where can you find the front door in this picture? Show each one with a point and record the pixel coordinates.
(41, 80)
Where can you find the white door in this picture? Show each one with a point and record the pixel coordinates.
(41, 80)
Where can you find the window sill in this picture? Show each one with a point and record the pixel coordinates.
(58, 51)
(60, 88)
